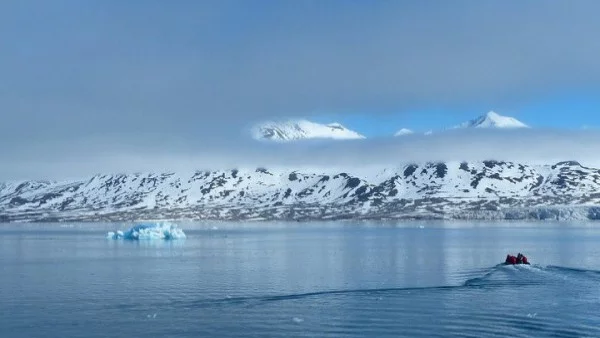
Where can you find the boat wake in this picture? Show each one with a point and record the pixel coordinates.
(495, 278)
(515, 301)
(532, 275)
(500, 276)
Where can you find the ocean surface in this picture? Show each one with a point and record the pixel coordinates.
(421, 279)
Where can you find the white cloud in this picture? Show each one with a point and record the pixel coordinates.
(529, 146)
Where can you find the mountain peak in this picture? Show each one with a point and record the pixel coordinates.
(403, 131)
(302, 129)
(492, 115)
(493, 120)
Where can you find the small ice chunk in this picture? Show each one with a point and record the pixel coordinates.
(297, 320)
(166, 231)
(114, 234)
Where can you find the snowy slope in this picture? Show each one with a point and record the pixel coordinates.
(489, 120)
(493, 120)
(403, 131)
(488, 189)
(302, 129)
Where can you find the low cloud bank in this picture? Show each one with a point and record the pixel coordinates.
(530, 146)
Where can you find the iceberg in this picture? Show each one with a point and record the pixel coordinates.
(166, 231)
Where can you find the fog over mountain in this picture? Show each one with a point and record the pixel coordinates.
(528, 145)
(116, 86)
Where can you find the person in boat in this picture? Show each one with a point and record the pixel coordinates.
(510, 259)
(519, 259)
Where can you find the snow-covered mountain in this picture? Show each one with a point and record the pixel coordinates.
(489, 120)
(453, 190)
(403, 131)
(493, 120)
(302, 129)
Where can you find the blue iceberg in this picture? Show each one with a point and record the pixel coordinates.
(166, 231)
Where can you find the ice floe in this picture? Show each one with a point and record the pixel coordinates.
(166, 231)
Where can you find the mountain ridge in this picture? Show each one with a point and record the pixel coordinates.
(295, 130)
(493, 120)
(490, 120)
(439, 190)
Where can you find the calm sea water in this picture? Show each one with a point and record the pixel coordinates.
(297, 279)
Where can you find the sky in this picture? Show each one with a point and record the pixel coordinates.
(569, 111)
(94, 86)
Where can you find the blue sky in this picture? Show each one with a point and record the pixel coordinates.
(574, 111)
